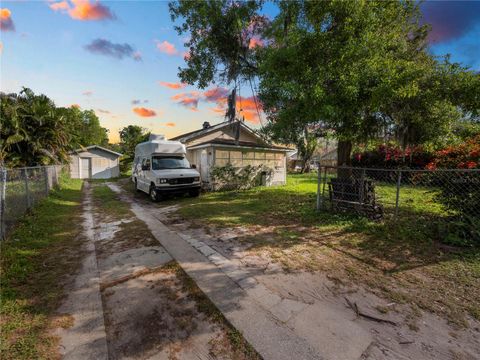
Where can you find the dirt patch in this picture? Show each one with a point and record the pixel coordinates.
(169, 322)
(300, 264)
(151, 307)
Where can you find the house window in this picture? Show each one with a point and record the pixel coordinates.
(222, 157)
(236, 158)
(254, 158)
(279, 160)
(259, 159)
(248, 158)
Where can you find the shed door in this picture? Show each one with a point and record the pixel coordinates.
(85, 168)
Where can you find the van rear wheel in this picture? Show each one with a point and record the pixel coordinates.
(154, 194)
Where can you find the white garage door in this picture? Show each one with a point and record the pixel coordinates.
(101, 168)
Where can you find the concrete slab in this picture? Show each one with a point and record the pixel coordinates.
(286, 309)
(247, 283)
(86, 339)
(206, 250)
(130, 261)
(341, 338)
(271, 339)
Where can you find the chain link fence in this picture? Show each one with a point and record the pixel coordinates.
(448, 199)
(21, 189)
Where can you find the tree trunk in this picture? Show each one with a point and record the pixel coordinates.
(344, 152)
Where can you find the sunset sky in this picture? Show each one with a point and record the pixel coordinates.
(120, 58)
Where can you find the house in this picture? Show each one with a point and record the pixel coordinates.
(94, 162)
(236, 144)
(329, 158)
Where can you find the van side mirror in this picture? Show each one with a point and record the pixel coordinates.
(145, 167)
(194, 166)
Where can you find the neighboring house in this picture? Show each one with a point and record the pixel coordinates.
(94, 162)
(329, 158)
(234, 143)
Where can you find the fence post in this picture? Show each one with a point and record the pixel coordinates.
(27, 190)
(362, 187)
(397, 198)
(319, 179)
(3, 206)
(47, 187)
(56, 174)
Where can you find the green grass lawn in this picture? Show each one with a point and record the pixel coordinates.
(393, 256)
(37, 257)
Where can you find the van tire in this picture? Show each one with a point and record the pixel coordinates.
(194, 193)
(136, 186)
(154, 195)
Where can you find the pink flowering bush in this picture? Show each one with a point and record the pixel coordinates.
(392, 156)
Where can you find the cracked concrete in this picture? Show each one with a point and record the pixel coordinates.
(278, 328)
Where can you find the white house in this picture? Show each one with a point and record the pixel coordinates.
(234, 143)
(94, 162)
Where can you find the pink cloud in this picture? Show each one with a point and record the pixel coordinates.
(172, 85)
(6, 22)
(144, 112)
(188, 100)
(254, 42)
(83, 10)
(57, 6)
(217, 94)
(166, 47)
(87, 93)
(170, 124)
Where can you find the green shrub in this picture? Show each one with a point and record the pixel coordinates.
(230, 178)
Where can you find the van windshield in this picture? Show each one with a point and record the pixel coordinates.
(169, 162)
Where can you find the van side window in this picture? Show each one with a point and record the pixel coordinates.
(146, 163)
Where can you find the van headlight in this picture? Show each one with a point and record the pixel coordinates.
(162, 181)
(196, 178)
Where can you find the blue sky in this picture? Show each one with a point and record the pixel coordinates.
(104, 55)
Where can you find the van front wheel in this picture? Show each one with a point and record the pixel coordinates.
(194, 193)
(154, 195)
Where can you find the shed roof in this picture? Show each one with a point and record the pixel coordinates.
(96, 147)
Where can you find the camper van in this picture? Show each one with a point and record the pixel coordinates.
(160, 167)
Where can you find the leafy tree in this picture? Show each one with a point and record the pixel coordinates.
(35, 132)
(84, 127)
(130, 136)
(359, 69)
(219, 39)
(304, 137)
(31, 133)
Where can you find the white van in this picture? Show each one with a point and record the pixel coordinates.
(160, 167)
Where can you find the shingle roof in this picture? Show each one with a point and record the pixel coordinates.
(232, 142)
(97, 147)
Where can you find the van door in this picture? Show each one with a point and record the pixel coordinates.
(143, 181)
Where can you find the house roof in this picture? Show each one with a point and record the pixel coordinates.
(228, 142)
(330, 155)
(96, 147)
(231, 142)
(201, 132)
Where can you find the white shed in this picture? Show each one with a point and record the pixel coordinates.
(94, 162)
